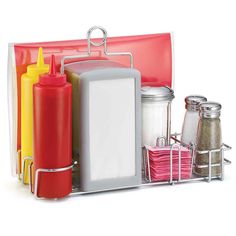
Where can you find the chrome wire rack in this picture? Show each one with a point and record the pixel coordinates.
(176, 144)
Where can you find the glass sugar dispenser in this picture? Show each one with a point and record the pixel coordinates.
(156, 115)
(209, 137)
(191, 119)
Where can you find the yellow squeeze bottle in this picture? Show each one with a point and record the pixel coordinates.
(27, 81)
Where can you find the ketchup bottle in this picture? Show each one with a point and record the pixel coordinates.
(52, 103)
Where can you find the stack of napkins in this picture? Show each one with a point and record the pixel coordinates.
(159, 159)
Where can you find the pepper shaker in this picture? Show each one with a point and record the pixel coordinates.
(208, 138)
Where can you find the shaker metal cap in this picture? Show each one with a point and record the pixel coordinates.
(192, 102)
(157, 93)
(210, 109)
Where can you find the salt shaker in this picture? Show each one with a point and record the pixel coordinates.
(156, 114)
(189, 128)
(208, 138)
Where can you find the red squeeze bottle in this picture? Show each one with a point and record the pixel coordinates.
(52, 110)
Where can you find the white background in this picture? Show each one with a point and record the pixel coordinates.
(205, 61)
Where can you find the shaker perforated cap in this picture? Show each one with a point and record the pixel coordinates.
(210, 109)
(192, 102)
(53, 77)
(157, 93)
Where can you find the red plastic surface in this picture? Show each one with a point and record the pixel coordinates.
(53, 134)
(152, 57)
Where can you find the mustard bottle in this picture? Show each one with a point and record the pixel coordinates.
(27, 81)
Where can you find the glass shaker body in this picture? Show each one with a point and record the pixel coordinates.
(156, 115)
(189, 130)
(155, 122)
(209, 137)
(191, 119)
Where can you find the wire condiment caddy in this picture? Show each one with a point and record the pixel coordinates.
(174, 145)
(147, 181)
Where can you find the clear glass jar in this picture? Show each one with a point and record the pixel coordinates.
(156, 114)
(191, 118)
(208, 137)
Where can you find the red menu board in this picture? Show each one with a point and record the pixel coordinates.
(152, 56)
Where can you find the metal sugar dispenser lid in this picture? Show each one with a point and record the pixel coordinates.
(157, 94)
(210, 110)
(193, 102)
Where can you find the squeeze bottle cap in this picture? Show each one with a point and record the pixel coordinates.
(40, 67)
(53, 77)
